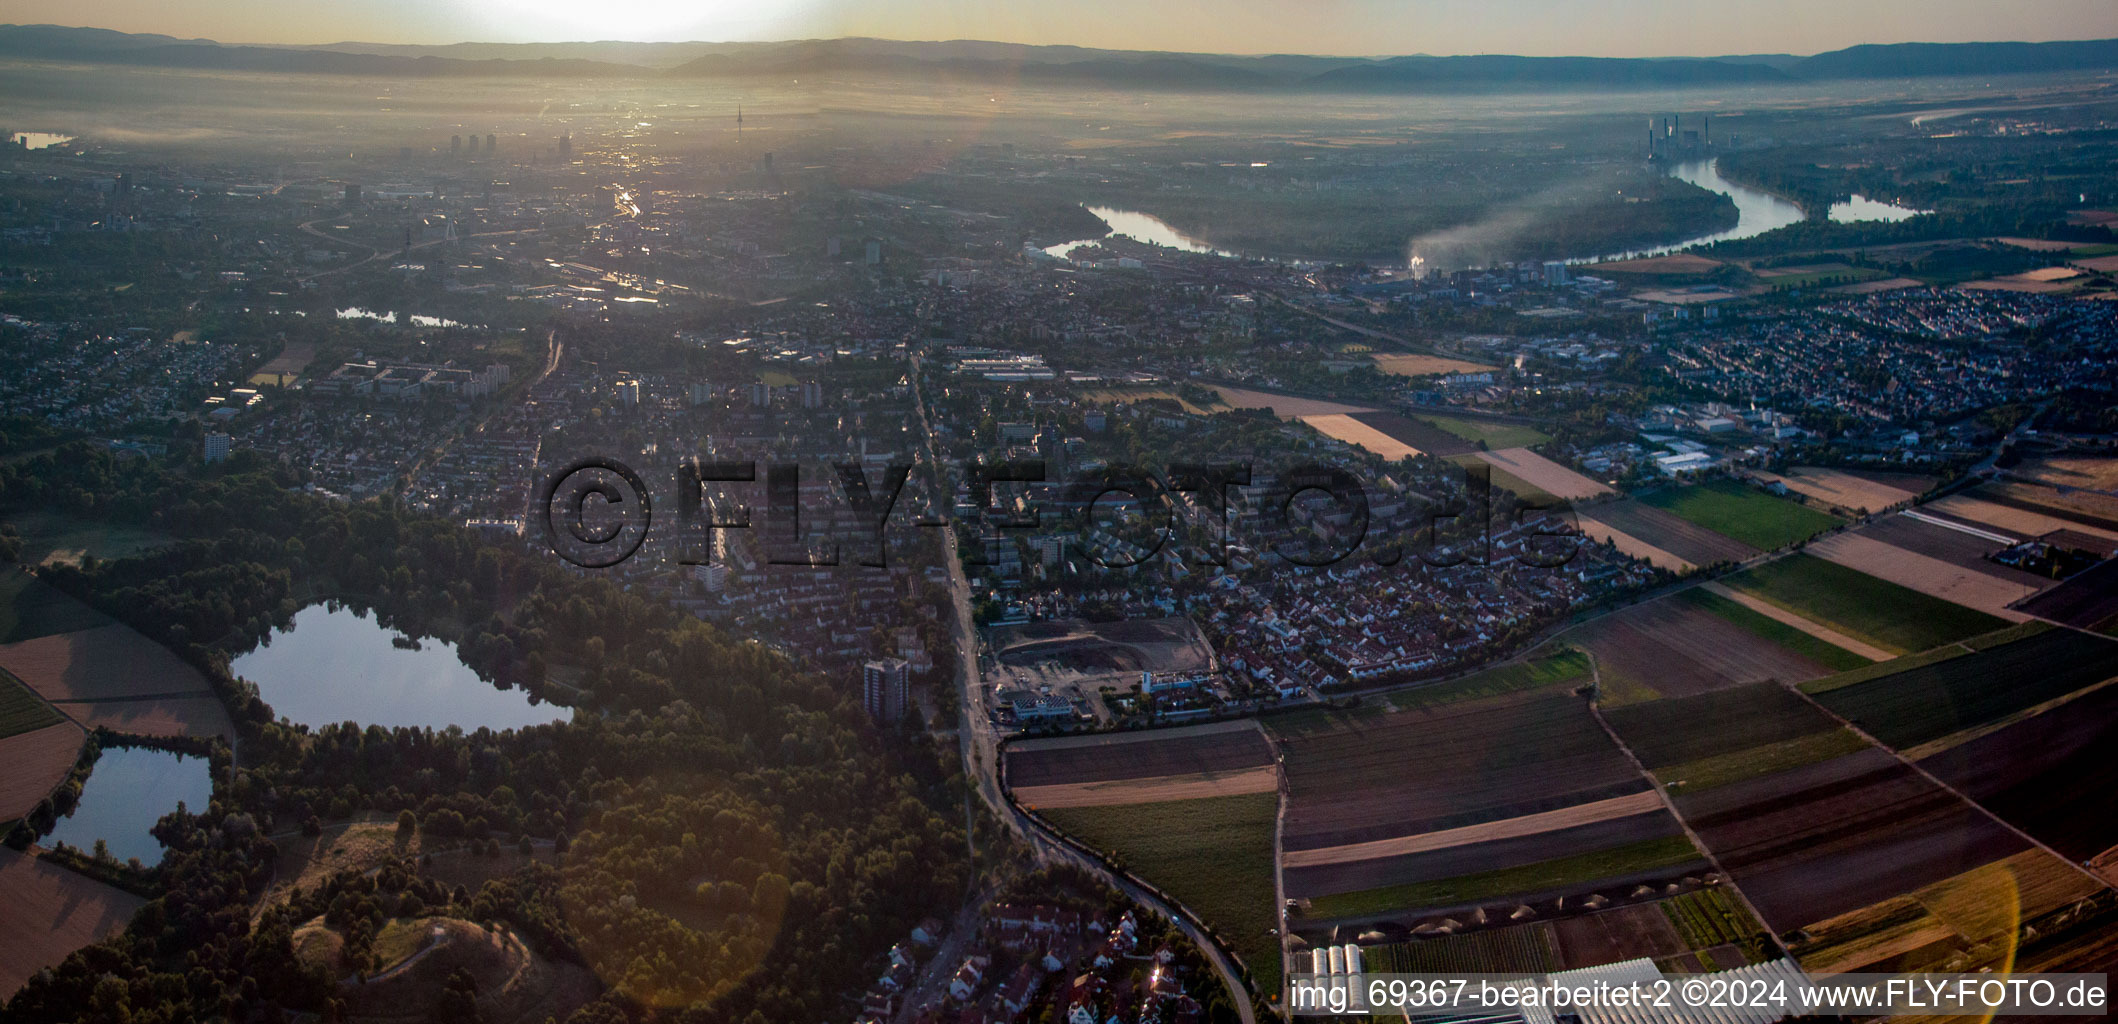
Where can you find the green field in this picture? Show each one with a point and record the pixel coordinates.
(1755, 762)
(1213, 855)
(49, 538)
(1891, 617)
(1734, 510)
(30, 608)
(21, 710)
(1706, 918)
(1542, 876)
(1824, 653)
(1933, 700)
(1842, 275)
(1495, 435)
(1541, 668)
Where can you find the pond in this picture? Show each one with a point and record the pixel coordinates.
(340, 665)
(129, 790)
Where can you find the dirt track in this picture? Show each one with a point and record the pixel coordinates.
(1151, 790)
(1506, 828)
(1818, 630)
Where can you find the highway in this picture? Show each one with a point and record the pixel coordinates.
(980, 740)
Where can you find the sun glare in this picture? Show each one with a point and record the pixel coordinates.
(646, 20)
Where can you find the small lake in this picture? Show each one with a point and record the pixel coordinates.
(1140, 227)
(339, 665)
(129, 790)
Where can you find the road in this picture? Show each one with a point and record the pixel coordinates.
(980, 741)
(309, 227)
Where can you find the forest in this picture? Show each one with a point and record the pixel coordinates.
(736, 841)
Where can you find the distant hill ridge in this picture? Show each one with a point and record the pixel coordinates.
(1056, 65)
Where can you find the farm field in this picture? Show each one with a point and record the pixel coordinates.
(21, 710)
(2021, 522)
(1072, 760)
(1850, 490)
(1970, 588)
(51, 912)
(1741, 513)
(1494, 434)
(1682, 729)
(285, 367)
(1604, 533)
(1663, 930)
(1419, 433)
(1680, 537)
(1792, 638)
(1673, 648)
(1891, 617)
(1214, 855)
(1824, 839)
(2077, 507)
(1680, 264)
(1922, 535)
(1757, 762)
(1925, 703)
(2087, 472)
(100, 664)
(1962, 923)
(1559, 874)
(30, 608)
(2051, 775)
(1286, 407)
(163, 716)
(1419, 364)
(1810, 275)
(1408, 772)
(1547, 666)
(2088, 600)
(1366, 868)
(1345, 427)
(37, 761)
(1144, 394)
(1542, 474)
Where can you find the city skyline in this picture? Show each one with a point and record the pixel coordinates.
(1632, 28)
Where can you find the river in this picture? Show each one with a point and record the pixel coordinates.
(1757, 212)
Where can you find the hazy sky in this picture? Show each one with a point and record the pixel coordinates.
(1615, 28)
